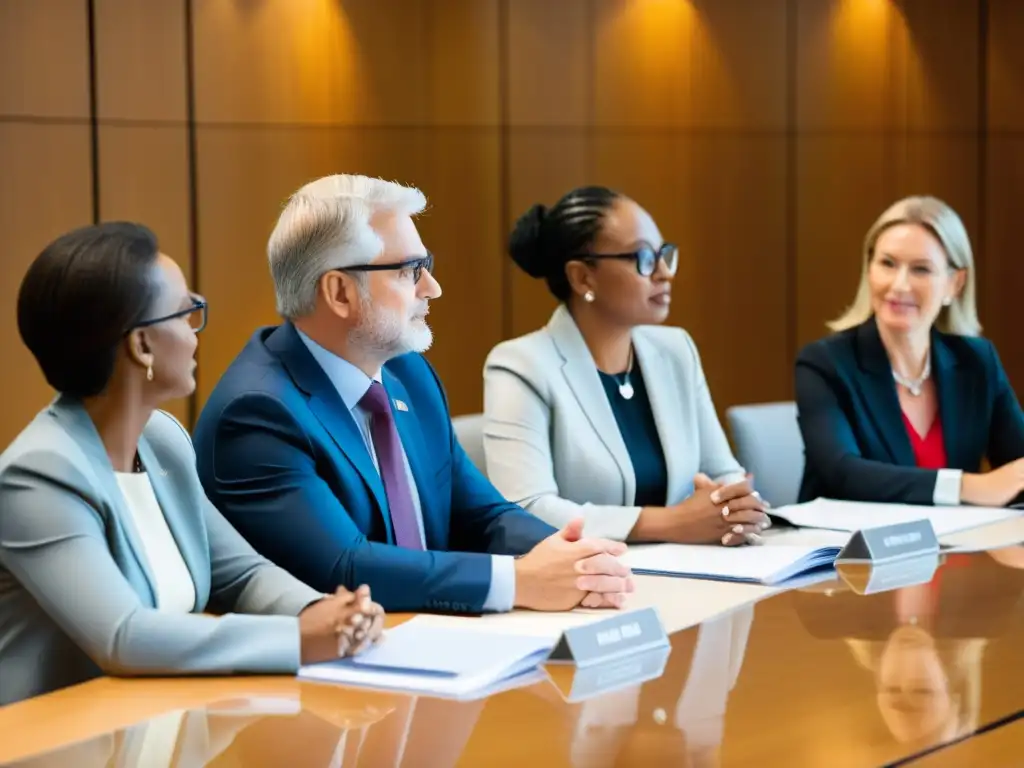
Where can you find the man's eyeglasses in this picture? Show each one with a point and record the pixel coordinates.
(646, 258)
(196, 315)
(416, 266)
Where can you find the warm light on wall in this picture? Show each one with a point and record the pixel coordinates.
(658, 25)
(863, 33)
(326, 56)
(659, 3)
(871, 13)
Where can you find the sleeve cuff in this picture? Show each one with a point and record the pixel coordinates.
(615, 523)
(502, 594)
(731, 477)
(947, 488)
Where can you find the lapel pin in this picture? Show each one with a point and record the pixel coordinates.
(401, 405)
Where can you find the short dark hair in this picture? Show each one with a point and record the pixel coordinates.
(544, 239)
(80, 297)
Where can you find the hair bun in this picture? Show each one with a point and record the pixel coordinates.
(526, 243)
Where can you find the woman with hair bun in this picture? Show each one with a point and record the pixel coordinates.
(602, 414)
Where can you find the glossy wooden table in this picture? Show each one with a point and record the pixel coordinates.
(1000, 748)
(821, 676)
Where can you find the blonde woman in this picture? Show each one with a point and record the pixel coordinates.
(905, 400)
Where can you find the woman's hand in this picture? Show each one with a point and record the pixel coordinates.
(367, 621)
(996, 488)
(343, 624)
(726, 514)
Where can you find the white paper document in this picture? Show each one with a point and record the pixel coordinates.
(445, 661)
(681, 603)
(756, 565)
(855, 515)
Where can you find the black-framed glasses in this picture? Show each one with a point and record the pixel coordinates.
(646, 258)
(196, 315)
(416, 265)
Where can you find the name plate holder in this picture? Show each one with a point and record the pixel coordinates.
(576, 684)
(868, 579)
(620, 635)
(888, 543)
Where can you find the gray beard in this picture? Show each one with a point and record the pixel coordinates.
(384, 335)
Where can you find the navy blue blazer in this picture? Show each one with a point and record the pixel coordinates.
(282, 458)
(855, 442)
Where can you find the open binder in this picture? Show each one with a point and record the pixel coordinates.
(766, 565)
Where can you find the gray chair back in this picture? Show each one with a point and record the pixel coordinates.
(469, 430)
(768, 444)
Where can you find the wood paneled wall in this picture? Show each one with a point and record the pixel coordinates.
(764, 136)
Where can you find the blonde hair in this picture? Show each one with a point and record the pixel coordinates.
(961, 659)
(943, 223)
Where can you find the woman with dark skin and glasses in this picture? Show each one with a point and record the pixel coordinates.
(111, 557)
(601, 414)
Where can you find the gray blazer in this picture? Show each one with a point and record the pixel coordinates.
(76, 595)
(551, 440)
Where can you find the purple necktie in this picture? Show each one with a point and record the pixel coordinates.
(392, 466)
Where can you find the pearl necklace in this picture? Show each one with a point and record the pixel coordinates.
(914, 385)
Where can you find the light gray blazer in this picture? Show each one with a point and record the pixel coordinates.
(550, 436)
(76, 595)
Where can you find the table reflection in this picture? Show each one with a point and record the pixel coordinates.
(924, 644)
(318, 728)
(677, 719)
(919, 652)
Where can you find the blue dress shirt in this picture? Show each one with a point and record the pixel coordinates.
(352, 383)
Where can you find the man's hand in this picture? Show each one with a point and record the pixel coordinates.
(566, 570)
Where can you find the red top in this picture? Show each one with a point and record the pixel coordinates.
(930, 450)
(930, 453)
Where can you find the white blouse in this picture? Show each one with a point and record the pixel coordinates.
(175, 592)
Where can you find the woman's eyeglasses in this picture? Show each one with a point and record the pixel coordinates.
(415, 265)
(196, 315)
(646, 258)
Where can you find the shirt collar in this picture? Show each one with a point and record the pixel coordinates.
(350, 381)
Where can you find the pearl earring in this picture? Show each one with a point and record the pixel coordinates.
(588, 296)
(149, 372)
(947, 301)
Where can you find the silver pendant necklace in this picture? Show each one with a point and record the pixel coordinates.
(914, 386)
(625, 387)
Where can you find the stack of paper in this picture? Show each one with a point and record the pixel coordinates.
(768, 565)
(855, 515)
(444, 661)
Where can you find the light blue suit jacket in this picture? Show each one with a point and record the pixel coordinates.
(76, 592)
(553, 444)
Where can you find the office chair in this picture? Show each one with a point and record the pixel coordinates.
(769, 445)
(469, 430)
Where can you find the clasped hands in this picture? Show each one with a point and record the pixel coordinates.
(730, 514)
(567, 570)
(564, 571)
(342, 624)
